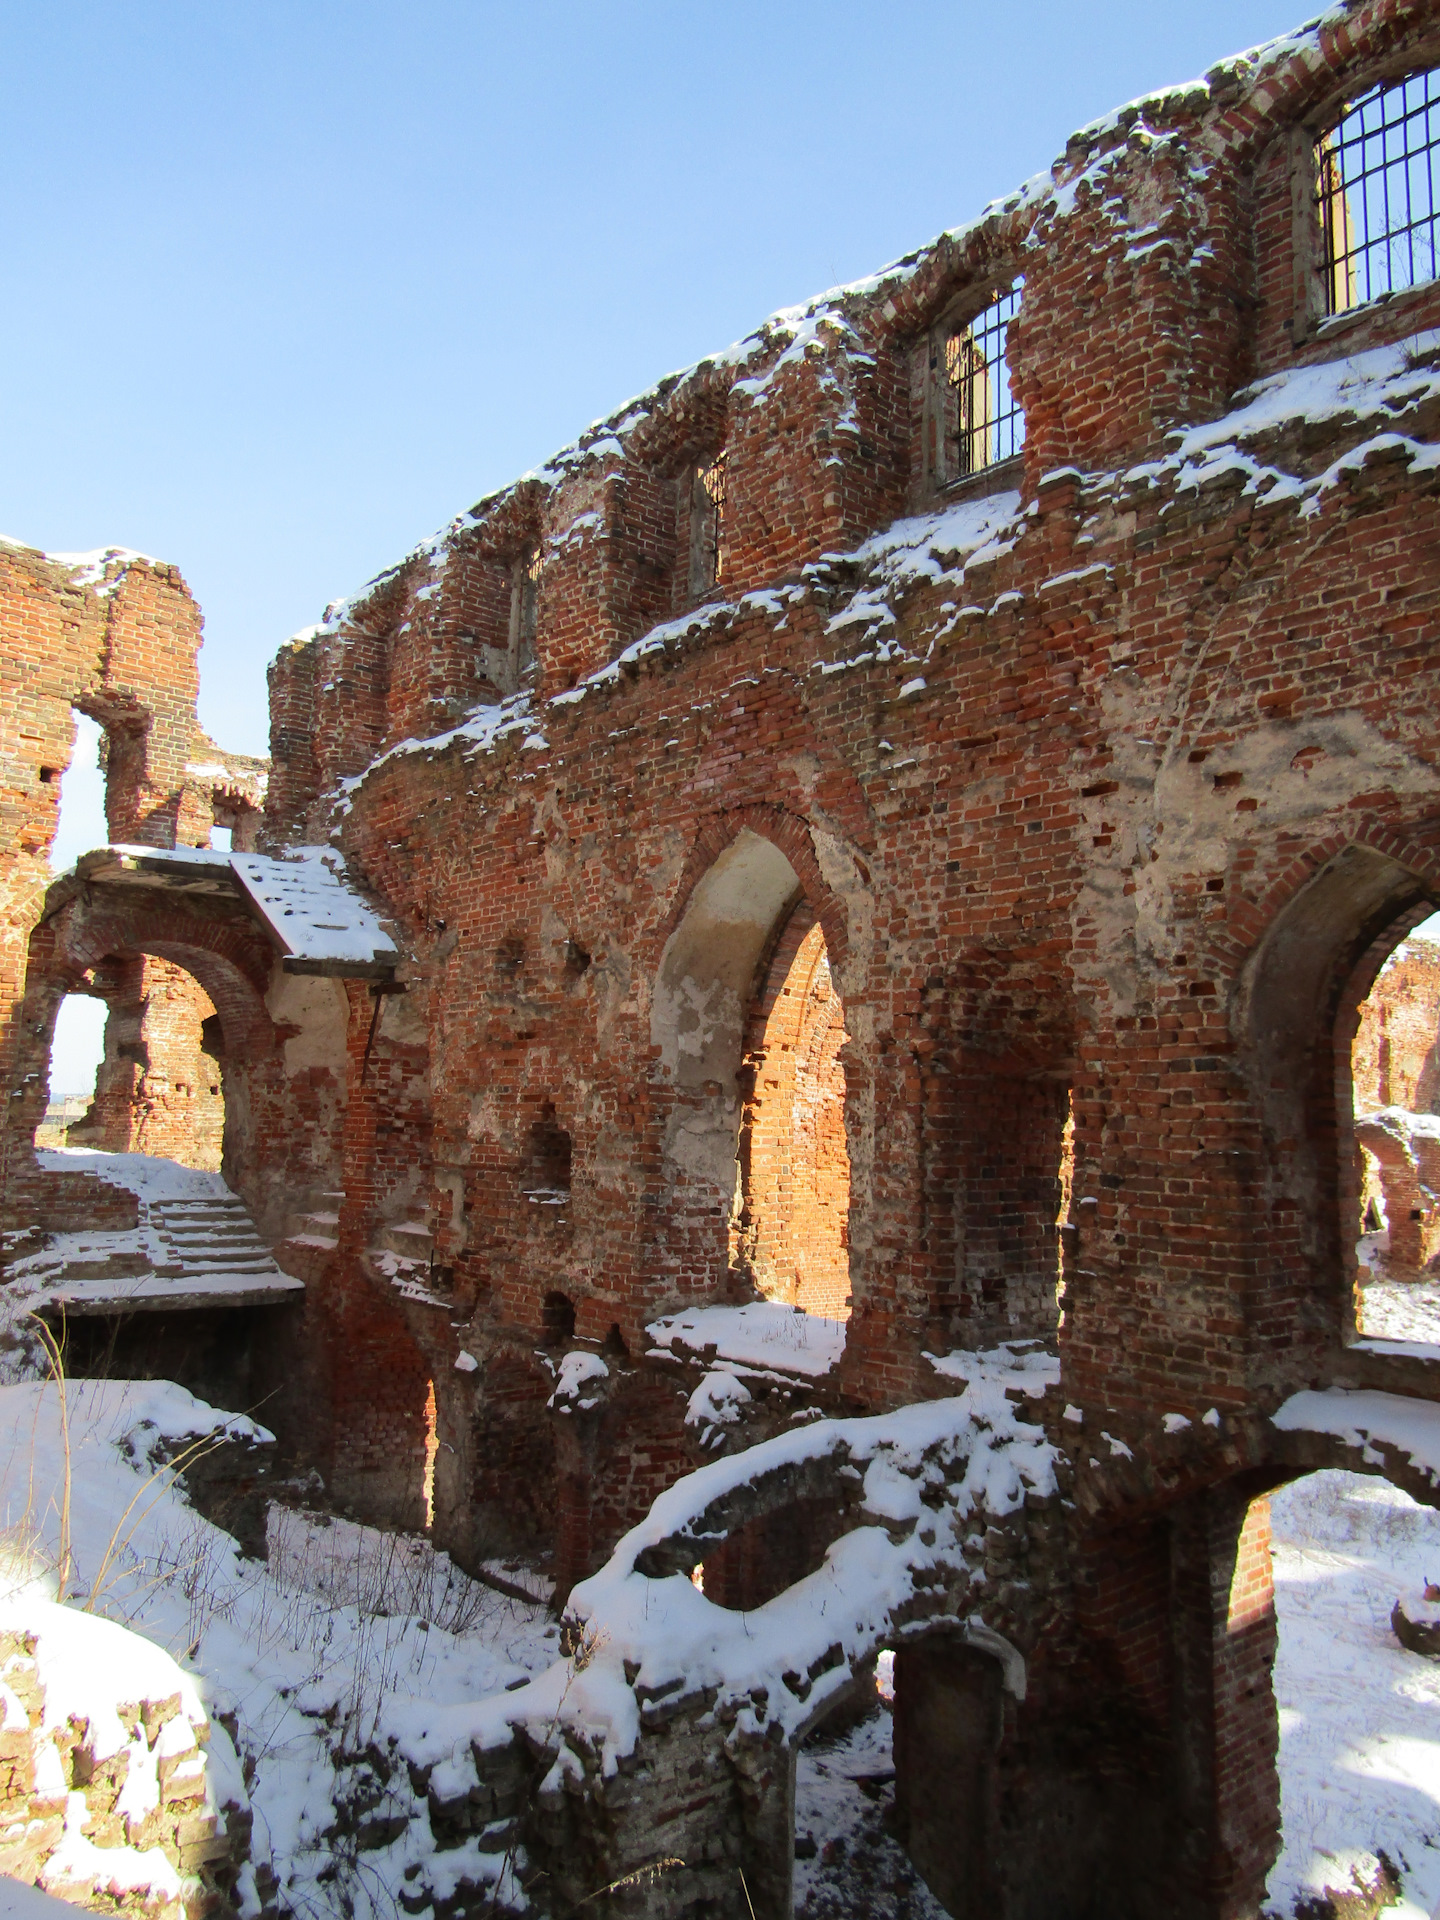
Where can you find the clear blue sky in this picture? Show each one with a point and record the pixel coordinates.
(290, 282)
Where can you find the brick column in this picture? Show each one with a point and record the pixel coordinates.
(1227, 1733)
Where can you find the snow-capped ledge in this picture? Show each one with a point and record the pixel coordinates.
(1369, 1421)
(302, 898)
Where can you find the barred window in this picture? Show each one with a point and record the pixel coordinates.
(1375, 193)
(707, 525)
(982, 424)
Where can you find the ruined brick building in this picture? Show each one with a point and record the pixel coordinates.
(899, 822)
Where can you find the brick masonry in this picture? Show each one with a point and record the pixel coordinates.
(1107, 795)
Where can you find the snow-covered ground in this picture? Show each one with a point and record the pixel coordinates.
(846, 1859)
(306, 1657)
(1359, 1716)
(1401, 1310)
(349, 1634)
(1359, 1727)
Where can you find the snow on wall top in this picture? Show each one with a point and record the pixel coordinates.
(789, 333)
(973, 1458)
(759, 1335)
(103, 568)
(1369, 1420)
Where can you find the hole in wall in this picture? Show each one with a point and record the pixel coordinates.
(432, 1450)
(76, 1051)
(548, 1160)
(81, 825)
(558, 1319)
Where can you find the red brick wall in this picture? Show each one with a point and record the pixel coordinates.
(793, 1233)
(1394, 1054)
(157, 1090)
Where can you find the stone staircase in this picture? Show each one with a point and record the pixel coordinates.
(206, 1237)
(311, 1234)
(318, 1225)
(197, 1251)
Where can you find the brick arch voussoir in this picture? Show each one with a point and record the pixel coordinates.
(791, 835)
(997, 241)
(226, 964)
(1279, 93)
(1250, 920)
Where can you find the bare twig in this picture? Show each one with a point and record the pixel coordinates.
(55, 1354)
(640, 1876)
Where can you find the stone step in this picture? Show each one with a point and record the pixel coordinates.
(200, 1262)
(226, 1235)
(411, 1239)
(116, 1266)
(210, 1217)
(318, 1228)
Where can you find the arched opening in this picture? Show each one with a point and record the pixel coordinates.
(791, 1228)
(1395, 1089)
(749, 1028)
(1297, 1017)
(158, 1087)
(850, 1854)
(903, 1803)
(1358, 1711)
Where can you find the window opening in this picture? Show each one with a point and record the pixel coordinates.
(221, 839)
(549, 1162)
(983, 422)
(82, 825)
(1395, 1085)
(525, 607)
(1375, 192)
(709, 554)
(76, 1053)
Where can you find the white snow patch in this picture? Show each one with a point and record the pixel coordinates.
(577, 1371)
(1359, 1715)
(759, 1335)
(1368, 1419)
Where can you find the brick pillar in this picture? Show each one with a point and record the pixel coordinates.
(1226, 1731)
(378, 1379)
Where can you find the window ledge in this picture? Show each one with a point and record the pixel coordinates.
(1003, 476)
(1337, 325)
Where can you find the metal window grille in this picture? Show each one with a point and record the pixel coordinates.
(983, 422)
(1375, 192)
(708, 544)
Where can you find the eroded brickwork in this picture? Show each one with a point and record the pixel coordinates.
(1105, 783)
(158, 1087)
(793, 1230)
